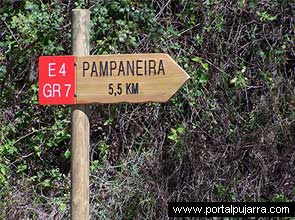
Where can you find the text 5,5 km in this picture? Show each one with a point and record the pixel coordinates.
(123, 89)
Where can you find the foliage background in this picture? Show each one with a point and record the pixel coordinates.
(227, 135)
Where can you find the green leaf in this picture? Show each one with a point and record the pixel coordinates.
(197, 59)
(67, 154)
(3, 169)
(108, 122)
(198, 93)
(265, 16)
(205, 66)
(180, 130)
(46, 183)
(203, 79)
(21, 168)
(201, 61)
(234, 80)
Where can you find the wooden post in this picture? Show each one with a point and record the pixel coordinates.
(80, 126)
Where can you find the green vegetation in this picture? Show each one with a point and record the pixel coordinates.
(227, 135)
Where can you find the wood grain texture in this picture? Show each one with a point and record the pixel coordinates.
(93, 87)
(80, 127)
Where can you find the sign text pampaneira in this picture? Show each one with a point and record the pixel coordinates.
(123, 68)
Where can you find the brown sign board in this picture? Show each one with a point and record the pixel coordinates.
(130, 78)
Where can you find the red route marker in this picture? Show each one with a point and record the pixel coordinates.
(57, 80)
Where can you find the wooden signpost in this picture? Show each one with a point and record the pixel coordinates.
(131, 78)
(81, 79)
(80, 126)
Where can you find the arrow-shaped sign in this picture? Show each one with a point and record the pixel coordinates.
(131, 78)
